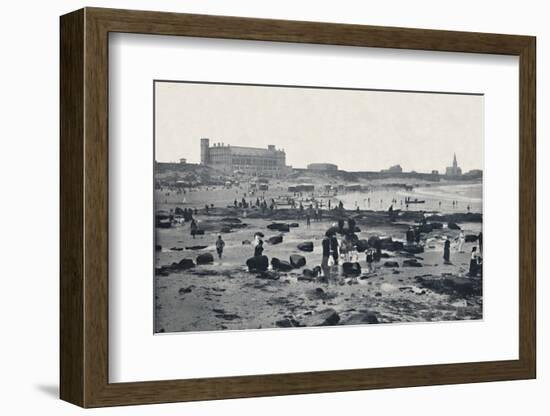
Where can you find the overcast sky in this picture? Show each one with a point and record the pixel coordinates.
(357, 130)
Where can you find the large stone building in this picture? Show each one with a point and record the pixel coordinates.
(453, 170)
(248, 160)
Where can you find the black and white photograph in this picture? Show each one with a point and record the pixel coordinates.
(282, 206)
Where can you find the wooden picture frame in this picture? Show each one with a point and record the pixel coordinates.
(84, 207)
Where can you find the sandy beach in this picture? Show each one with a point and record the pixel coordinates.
(405, 287)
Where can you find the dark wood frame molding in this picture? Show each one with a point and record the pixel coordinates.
(84, 207)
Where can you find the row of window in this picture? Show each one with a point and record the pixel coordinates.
(254, 161)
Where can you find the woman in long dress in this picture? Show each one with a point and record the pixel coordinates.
(460, 241)
(475, 261)
(447, 251)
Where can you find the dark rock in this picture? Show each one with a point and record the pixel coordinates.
(226, 230)
(362, 245)
(228, 316)
(411, 263)
(293, 225)
(378, 294)
(195, 247)
(306, 246)
(184, 290)
(279, 227)
(452, 285)
(287, 323)
(276, 239)
(470, 238)
(361, 318)
(325, 317)
(205, 258)
(437, 225)
(453, 226)
(320, 294)
(257, 264)
(457, 217)
(297, 261)
(386, 243)
(199, 232)
(351, 269)
(178, 211)
(185, 264)
(176, 249)
(246, 242)
(259, 234)
(306, 279)
(373, 241)
(232, 220)
(391, 264)
(424, 228)
(281, 265)
(308, 275)
(162, 271)
(158, 247)
(413, 248)
(269, 275)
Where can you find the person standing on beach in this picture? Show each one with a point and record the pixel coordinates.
(351, 225)
(259, 249)
(475, 261)
(334, 248)
(410, 235)
(194, 228)
(326, 252)
(346, 247)
(447, 251)
(220, 244)
(460, 241)
(370, 260)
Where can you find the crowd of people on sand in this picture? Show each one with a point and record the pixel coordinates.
(338, 243)
(476, 259)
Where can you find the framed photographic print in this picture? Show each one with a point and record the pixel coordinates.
(255, 207)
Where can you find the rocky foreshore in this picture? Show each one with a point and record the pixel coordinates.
(284, 287)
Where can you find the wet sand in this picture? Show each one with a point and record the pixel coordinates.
(224, 295)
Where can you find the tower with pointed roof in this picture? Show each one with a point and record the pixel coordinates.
(453, 170)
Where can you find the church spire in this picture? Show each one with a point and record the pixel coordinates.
(455, 164)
